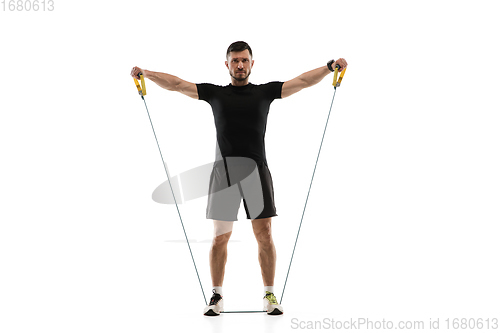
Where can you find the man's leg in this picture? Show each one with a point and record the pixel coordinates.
(218, 251)
(267, 260)
(267, 251)
(218, 257)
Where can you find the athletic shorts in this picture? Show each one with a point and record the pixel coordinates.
(236, 178)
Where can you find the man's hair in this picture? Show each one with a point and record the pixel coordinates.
(238, 47)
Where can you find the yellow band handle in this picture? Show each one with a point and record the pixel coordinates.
(336, 83)
(335, 73)
(142, 91)
(340, 78)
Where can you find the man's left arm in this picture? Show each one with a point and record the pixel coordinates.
(310, 78)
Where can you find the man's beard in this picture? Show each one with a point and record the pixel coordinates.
(241, 78)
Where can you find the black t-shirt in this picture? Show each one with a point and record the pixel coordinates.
(240, 115)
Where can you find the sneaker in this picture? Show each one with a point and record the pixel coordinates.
(216, 305)
(271, 305)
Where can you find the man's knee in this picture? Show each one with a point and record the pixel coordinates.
(221, 240)
(262, 231)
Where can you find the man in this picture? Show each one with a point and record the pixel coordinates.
(240, 112)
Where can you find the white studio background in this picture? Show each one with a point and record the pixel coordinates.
(402, 219)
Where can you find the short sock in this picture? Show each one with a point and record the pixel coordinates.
(268, 288)
(218, 290)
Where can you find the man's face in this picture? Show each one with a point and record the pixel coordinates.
(240, 65)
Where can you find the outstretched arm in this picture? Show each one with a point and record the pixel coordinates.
(167, 81)
(309, 79)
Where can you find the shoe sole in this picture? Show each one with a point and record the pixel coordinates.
(275, 312)
(211, 313)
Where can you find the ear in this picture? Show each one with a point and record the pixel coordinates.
(227, 65)
(252, 62)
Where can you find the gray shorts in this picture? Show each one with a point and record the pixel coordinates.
(236, 178)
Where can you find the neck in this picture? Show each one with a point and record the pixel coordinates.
(237, 83)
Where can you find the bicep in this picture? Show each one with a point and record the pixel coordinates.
(292, 86)
(188, 89)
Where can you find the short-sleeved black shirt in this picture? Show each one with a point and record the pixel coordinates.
(240, 115)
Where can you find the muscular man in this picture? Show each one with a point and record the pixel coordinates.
(240, 112)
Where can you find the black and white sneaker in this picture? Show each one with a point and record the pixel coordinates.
(271, 305)
(216, 305)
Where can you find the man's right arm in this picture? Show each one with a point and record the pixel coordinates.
(169, 82)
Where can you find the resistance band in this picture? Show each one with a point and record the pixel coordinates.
(335, 85)
(243, 311)
(142, 93)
